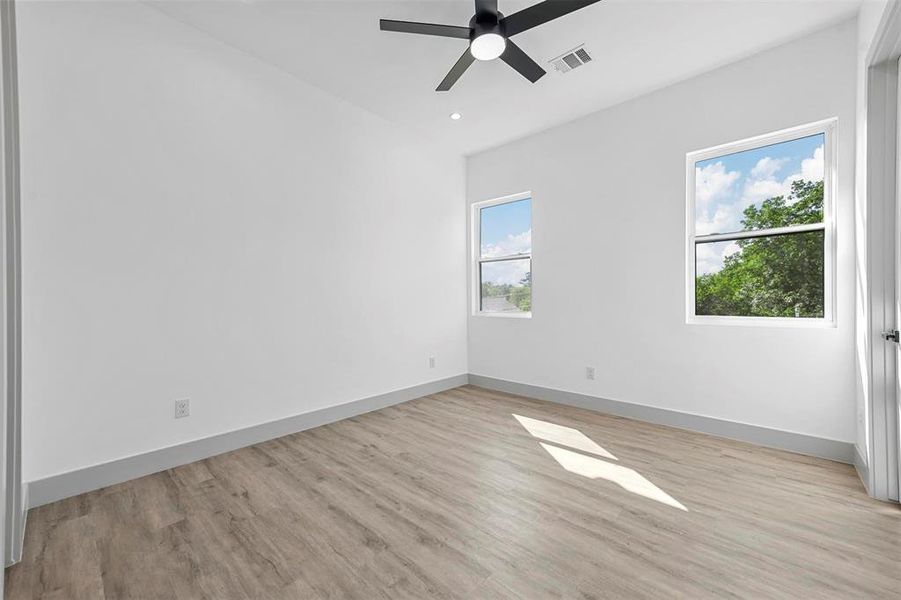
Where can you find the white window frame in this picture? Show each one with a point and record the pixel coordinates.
(477, 260)
(827, 128)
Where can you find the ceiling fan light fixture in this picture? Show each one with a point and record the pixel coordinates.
(488, 46)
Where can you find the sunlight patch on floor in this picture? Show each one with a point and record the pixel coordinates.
(589, 466)
(565, 436)
(626, 478)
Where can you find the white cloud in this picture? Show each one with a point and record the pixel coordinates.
(713, 183)
(767, 167)
(513, 244)
(725, 219)
(713, 187)
(758, 190)
(710, 257)
(812, 168)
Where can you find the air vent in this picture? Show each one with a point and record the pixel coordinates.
(573, 59)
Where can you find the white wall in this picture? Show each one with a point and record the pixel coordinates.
(199, 224)
(608, 242)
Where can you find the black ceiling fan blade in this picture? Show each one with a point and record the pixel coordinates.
(486, 7)
(456, 71)
(452, 31)
(542, 12)
(519, 60)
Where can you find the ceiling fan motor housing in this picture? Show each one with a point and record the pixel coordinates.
(483, 23)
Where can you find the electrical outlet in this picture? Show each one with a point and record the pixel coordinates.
(589, 372)
(182, 408)
(431, 362)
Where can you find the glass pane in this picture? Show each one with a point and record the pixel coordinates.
(774, 276)
(506, 286)
(771, 186)
(506, 229)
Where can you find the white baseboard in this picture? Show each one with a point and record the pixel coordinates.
(65, 485)
(762, 436)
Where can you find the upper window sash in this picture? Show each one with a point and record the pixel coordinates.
(479, 217)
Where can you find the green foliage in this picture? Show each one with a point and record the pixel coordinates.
(519, 295)
(777, 276)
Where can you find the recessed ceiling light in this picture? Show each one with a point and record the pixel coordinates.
(456, 116)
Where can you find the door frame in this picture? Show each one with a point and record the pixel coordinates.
(881, 226)
(13, 508)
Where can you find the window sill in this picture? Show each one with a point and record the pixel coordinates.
(780, 322)
(500, 315)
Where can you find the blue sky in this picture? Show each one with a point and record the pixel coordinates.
(726, 185)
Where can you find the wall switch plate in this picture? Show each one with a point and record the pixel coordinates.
(182, 408)
(589, 372)
(431, 362)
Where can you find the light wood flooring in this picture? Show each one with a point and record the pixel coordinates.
(452, 496)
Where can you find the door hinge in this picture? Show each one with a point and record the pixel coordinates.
(891, 336)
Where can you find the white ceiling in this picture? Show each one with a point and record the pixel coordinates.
(638, 46)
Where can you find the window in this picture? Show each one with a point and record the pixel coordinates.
(502, 269)
(760, 233)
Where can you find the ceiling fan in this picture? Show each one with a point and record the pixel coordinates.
(489, 33)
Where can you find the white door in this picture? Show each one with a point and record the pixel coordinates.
(885, 466)
(894, 485)
(882, 288)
